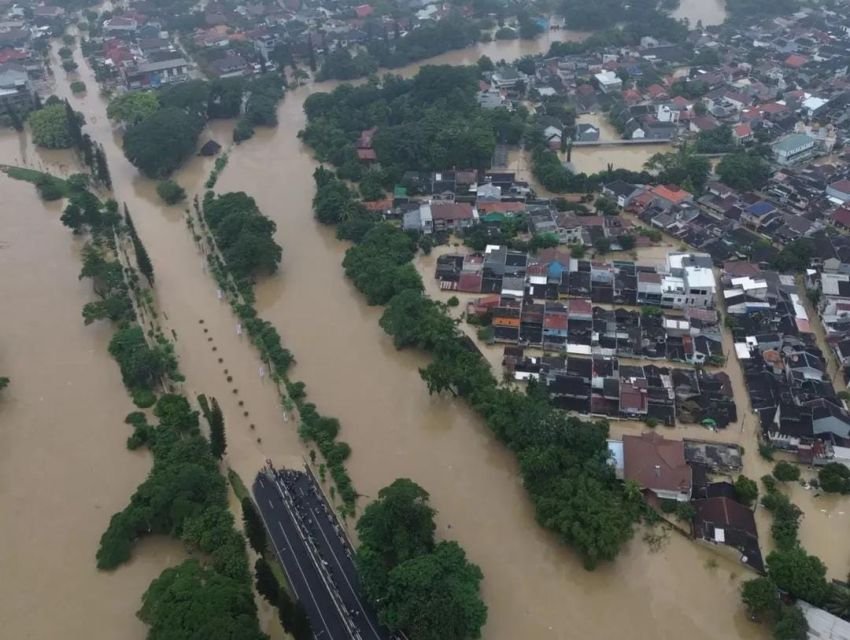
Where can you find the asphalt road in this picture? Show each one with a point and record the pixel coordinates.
(316, 556)
(301, 571)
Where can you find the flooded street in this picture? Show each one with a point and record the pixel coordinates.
(64, 469)
(534, 586)
(709, 12)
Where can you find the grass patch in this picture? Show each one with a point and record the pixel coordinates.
(270, 556)
(58, 185)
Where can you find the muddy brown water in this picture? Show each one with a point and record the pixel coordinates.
(534, 586)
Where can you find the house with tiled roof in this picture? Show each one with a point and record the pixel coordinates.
(657, 465)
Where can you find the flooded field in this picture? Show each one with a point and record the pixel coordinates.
(64, 469)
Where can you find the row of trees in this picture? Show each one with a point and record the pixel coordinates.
(563, 460)
(790, 570)
(184, 495)
(424, 588)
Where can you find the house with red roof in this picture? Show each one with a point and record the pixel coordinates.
(363, 11)
(796, 61)
(742, 133)
(657, 465)
(841, 217)
(670, 195)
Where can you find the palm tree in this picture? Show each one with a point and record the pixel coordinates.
(839, 602)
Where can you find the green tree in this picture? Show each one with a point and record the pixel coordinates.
(743, 171)
(834, 478)
(839, 601)
(161, 142)
(801, 575)
(255, 530)
(746, 490)
(50, 128)
(142, 258)
(300, 625)
(141, 366)
(761, 598)
(193, 601)
(266, 582)
(435, 596)
(170, 191)
(218, 443)
(396, 527)
(791, 625)
(4, 382)
(132, 107)
(786, 472)
(602, 245)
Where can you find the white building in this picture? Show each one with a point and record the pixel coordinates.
(608, 81)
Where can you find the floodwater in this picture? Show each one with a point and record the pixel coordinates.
(64, 469)
(534, 586)
(709, 12)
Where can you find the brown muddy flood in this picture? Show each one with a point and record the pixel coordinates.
(65, 481)
(64, 469)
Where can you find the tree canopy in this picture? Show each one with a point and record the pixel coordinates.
(243, 234)
(158, 144)
(743, 171)
(132, 107)
(427, 590)
(192, 601)
(50, 127)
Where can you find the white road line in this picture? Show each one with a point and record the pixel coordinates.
(300, 569)
(271, 505)
(344, 575)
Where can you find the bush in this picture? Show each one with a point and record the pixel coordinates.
(69, 65)
(143, 398)
(452, 302)
(765, 449)
(78, 86)
(786, 472)
(834, 478)
(50, 128)
(170, 191)
(746, 490)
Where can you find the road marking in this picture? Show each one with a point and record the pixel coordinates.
(271, 505)
(303, 575)
(345, 575)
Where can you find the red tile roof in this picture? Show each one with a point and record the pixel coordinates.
(795, 61)
(743, 130)
(367, 154)
(654, 462)
(674, 194)
(470, 283)
(841, 216)
(841, 185)
(451, 211)
(500, 207)
(363, 11)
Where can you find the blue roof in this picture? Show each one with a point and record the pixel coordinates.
(760, 208)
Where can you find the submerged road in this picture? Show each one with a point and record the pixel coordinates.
(316, 556)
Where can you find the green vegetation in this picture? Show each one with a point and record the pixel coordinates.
(563, 460)
(107, 275)
(427, 590)
(717, 140)
(132, 107)
(142, 365)
(78, 86)
(746, 490)
(195, 601)
(648, 17)
(159, 143)
(786, 472)
(255, 531)
(743, 171)
(49, 187)
(452, 32)
(795, 256)
(50, 127)
(170, 191)
(243, 234)
(264, 94)
(142, 258)
(427, 123)
(834, 478)
(682, 167)
(4, 382)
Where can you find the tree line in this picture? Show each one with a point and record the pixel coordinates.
(791, 569)
(244, 236)
(563, 460)
(184, 495)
